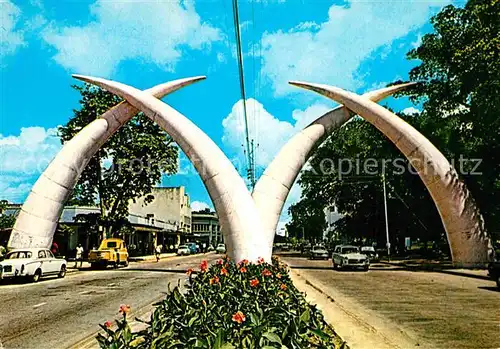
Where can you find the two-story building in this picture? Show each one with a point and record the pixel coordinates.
(206, 228)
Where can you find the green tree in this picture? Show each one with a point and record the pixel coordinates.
(459, 91)
(308, 220)
(136, 157)
(6, 220)
(459, 77)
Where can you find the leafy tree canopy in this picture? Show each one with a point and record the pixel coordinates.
(127, 166)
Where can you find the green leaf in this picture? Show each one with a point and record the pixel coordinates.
(305, 316)
(273, 337)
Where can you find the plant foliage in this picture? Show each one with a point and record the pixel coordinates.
(230, 305)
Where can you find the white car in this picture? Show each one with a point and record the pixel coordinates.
(31, 263)
(221, 249)
(346, 256)
(319, 252)
(183, 250)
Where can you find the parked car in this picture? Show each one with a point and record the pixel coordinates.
(370, 252)
(221, 249)
(32, 263)
(319, 252)
(111, 252)
(183, 250)
(347, 256)
(494, 272)
(193, 248)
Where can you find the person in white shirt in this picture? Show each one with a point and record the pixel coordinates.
(158, 252)
(79, 255)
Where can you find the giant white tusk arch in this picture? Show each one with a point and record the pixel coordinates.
(37, 220)
(240, 221)
(464, 225)
(272, 188)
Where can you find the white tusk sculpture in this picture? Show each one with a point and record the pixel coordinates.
(37, 220)
(464, 225)
(273, 186)
(238, 215)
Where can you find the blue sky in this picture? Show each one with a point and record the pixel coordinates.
(356, 45)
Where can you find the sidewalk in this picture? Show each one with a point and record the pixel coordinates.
(86, 265)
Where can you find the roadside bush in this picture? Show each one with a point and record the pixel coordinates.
(229, 305)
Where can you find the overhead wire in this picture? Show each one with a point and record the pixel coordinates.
(249, 150)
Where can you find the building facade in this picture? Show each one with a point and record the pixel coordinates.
(206, 228)
(165, 221)
(169, 205)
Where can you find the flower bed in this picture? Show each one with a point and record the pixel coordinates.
(229, 305)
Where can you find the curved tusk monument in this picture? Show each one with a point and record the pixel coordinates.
(37, 220)
(238, 215)
(464, 225)
(273, 186)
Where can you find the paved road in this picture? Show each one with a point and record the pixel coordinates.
(56, 313)
(435, 310)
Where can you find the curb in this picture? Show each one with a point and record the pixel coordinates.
(437, 270)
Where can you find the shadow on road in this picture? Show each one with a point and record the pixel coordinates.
(489, 288)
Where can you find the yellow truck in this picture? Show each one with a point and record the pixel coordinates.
(111, 252)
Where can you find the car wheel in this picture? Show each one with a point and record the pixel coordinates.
(36, 276)
(62, 272)
(498, 281)
(365, 268)
(125, 264)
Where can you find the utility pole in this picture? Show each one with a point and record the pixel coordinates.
(386, 220)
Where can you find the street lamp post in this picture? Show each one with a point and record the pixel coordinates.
(386, 219)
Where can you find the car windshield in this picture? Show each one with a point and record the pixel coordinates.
(112, 244)
(18, 255)
(183, 246)
(220, 245)
(319, 247)
(350, 250)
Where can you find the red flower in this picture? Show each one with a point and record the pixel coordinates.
(260, 260)
(243, 270)
(239, 317)
(220, 261)
(124, 309)
(283, 287)
(214, 280)
(278, 276)
(223, 271)
(108, 324)
(266, 272)
(244, 262)
(254, 282)
(189, 271)
(204, 266)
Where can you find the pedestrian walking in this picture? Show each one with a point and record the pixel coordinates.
(158, 252)
(204, 246)
(55, 249)
(79, 255)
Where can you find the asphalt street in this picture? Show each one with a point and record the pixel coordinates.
(430, 309)
(57, 313)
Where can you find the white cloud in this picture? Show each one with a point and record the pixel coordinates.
(153, 31)
(331, 52)
(23, 158)
(199, 206)
(411, 110)
(11, 38)
(269, 132)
